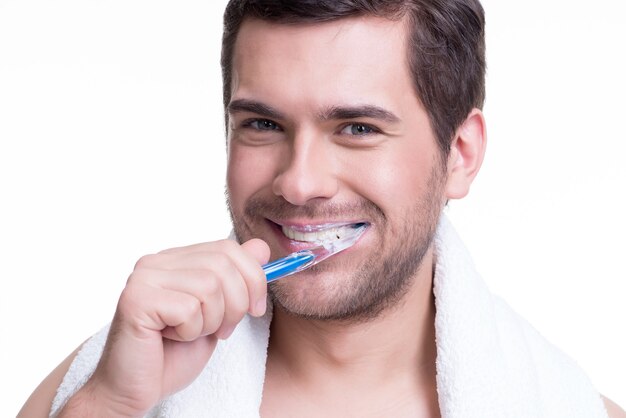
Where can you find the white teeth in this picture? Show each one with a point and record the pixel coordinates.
(328, 234)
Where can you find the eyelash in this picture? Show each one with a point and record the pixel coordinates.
(372, 130)
(249, 124)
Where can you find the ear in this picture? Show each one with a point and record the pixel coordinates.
(466, 155)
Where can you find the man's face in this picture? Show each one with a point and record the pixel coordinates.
(325, 128)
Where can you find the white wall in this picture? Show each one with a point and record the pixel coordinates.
(112, 146)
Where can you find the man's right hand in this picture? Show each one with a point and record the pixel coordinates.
(175, 306)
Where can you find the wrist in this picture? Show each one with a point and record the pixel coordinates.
(93, 401)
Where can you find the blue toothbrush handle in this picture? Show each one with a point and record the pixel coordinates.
(290, 264)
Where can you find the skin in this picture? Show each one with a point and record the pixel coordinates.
(324, 367)
(194, 295)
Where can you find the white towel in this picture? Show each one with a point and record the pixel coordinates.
(490, 362)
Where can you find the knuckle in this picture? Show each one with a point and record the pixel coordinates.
(210, 286)
(169, 250)
(144, 262)
(238, 307)
(227, 245)
(213, 318)
(137, 276)
(129, 301)
(190, 308)
(219, 263)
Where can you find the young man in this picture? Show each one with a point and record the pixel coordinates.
(338, 113)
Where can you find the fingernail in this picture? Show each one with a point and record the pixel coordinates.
(260, 307)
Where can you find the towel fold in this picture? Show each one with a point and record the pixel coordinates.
(490, 362)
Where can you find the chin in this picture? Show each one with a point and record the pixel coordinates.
(317, 292)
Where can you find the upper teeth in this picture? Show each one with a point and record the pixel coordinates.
(327, 234)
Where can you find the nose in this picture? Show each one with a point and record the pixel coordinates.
(308, 173)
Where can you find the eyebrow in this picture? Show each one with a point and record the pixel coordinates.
(252, 106)
(330, 113)
(355, 112)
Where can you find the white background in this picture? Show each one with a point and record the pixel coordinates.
(112, 146)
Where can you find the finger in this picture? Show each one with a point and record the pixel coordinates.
(203, 246)
(247, 259)
(204, 285)
(154, 309)
(221, 270)
(197, 260)
(236, 302)
(191, 257)
(254, 275)
(182, 314)
(172, 261)
(258, 249)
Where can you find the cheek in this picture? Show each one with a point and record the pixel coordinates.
(391, 180)
(249, 170)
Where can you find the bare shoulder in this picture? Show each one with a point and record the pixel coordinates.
(613, 409)
(40, 401)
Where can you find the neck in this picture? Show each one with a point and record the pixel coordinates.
(399, 342)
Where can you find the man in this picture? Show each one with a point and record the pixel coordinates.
(338, 113)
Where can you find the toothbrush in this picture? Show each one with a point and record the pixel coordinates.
(303, 259)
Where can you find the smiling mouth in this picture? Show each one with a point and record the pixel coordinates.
(321, 233)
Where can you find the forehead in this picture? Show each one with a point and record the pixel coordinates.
(360, 59)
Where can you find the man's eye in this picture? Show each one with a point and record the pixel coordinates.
(358, 129)
(262, 125)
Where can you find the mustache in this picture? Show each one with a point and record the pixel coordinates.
(279, 208)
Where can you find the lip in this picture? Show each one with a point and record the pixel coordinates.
(304, 226)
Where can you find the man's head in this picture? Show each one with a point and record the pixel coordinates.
(445, 47)
(327, 126)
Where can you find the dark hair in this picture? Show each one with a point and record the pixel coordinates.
(446, 47)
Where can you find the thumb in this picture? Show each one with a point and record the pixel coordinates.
(258, 249)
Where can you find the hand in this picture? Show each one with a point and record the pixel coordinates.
(175, 306)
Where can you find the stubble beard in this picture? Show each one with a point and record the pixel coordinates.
(376, 285)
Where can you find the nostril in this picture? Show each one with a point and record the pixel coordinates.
(298, 186)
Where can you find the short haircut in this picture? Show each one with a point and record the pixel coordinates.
(446, 47)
